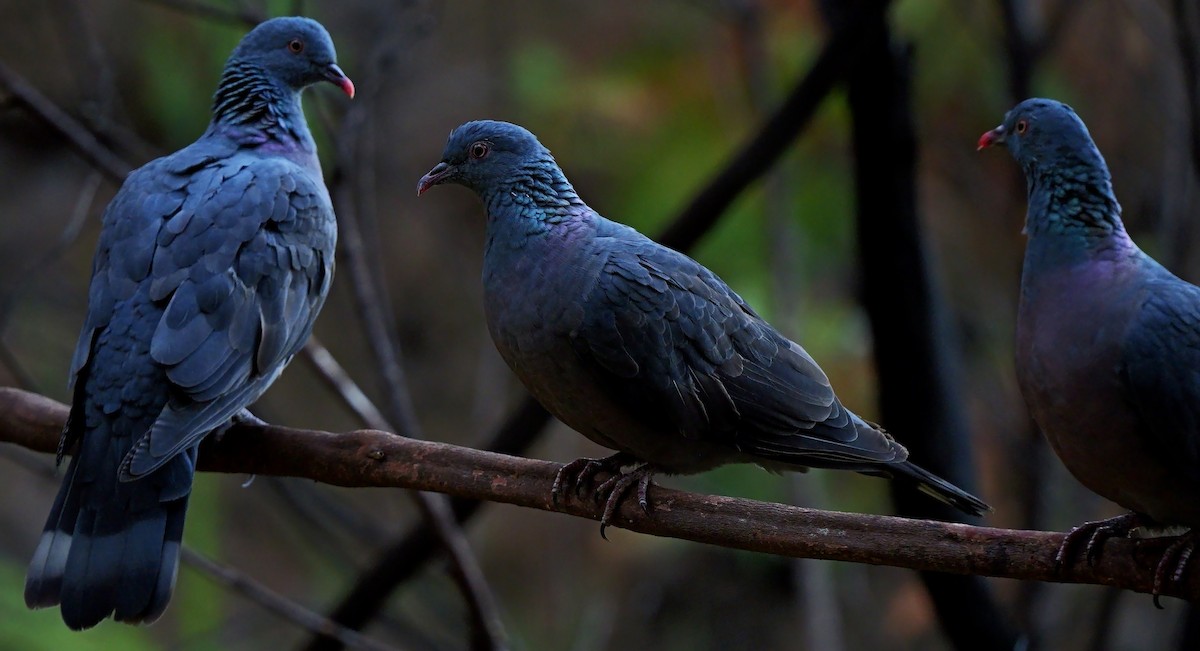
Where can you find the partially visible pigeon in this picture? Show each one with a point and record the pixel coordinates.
(1108, 341)
(212, 265)
(639, 347)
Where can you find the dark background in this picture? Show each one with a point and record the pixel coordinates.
(642, 103)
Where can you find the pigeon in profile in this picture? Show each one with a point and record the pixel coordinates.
(211, 267)
(1108, 340)
(639, 347)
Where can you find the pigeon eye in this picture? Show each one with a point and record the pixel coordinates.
(296, 46)
(1022, 126)
(479, 150)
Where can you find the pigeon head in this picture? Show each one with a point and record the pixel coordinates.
(492, 157)
(1043, 134)
(296, 51)
(261, 84)
(1069, 183)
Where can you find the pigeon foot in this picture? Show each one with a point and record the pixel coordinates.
(617, 486)
(1095, 533)
(580, 472)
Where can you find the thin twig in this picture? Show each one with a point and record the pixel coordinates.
(409, 552)
(372, 458)
(771, 141)
(83, 206)
(100, 157)
(9, 359)
(336, 377)
(260, 594)
(370, 300)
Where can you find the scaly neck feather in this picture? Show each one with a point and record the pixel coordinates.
(539, 192)
(252, 105)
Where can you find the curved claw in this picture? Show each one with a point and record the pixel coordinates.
(1177, 556)
(1095, 532)
(617, 486)
(581, 471)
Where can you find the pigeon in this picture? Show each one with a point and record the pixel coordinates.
(211, 266)
(639, 347)
(1108, 340)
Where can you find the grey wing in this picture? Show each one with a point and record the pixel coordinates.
(680, 349)
(243, 266)
(1161, 370)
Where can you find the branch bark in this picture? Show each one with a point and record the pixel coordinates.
(364, 458)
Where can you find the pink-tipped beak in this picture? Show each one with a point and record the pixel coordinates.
(435, 176)
(338, 78)
(989, 138)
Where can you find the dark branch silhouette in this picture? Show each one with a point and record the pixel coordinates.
(914, 357)
(364, 458)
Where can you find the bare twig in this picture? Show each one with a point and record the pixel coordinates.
(260, 594)
(771, 141)
(409, 552)
(339, 380)
(83, 205)
(9, 359)
(370, 300)
(372, 458)
(100, 157)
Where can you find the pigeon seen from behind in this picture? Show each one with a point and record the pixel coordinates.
(211, 267)
(639, 347)
(1108, 340)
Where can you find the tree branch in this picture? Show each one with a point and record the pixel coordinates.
(373, 458)
(768, 144)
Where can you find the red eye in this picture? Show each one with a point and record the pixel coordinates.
(479, 149)
(296, 45)
(1022, 126)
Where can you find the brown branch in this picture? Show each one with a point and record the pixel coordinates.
(365, 458)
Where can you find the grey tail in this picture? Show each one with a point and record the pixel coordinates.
(938, 488)
(111, 548)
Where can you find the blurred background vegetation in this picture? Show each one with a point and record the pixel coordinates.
(641, 103)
